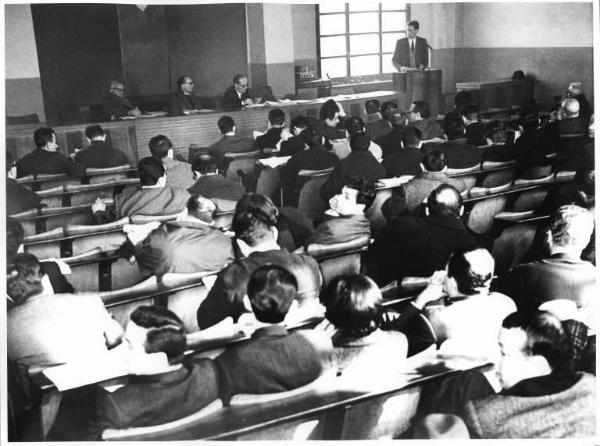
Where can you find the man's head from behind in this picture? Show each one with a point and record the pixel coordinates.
(254, 221)
(531, 344)
(570, 230)
(412, 138)
(154, 329)
(569, 108)
(226, 124)
(470, 114)
(372, 106)
(271, 290)
(276, 118)
(360, 142)
(355, 125)
(433, 161)
(445, 201)
(461, 99)
(204, 165)
(298, 124)
(45, 138)
(454, 126)
(470, 272)
(160, 147)
(95, 133)
(24, 278)
(151, 172)
(397, 119)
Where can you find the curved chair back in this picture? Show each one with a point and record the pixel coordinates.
(102, 175)
(481, 217)
(309, 199)
(499, 177)
(530, 200)
(241, 161)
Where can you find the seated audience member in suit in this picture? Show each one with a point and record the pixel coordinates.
(581, 154)
(18, 198)
(498, 147)
(360, 164)
(407, 198)
(99, 154)
(116, 105)
(474, 130)
(51, 268)
(575, 91)
(345, 220)
(406, 160)
(541, 396)
(273, 360)
(331, 117)
(392, 141)
(355, 125)
(377, 126)
(461, 99)
(419, 116)
(533, 144)
(45, 159)
(187, 245)
(151, 197)
(255, 229)
(230, 142)
(561, 275)
(210, 183)
(361, 348)
(459, 153)
(168, 389)
(276, 132)
(467, 321)
(416, 247)
(238, 95)
(182, 101)
(45, 328)
(294, 143)
(568, 120)
(179, 173)
(314, 156)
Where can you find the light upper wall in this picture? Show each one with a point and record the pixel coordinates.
(279, 43)
(524, 25)
(21, 52)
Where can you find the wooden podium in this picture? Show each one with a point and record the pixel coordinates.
(418, 85)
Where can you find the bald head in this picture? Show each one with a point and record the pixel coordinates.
(570, 108)
(445, 201)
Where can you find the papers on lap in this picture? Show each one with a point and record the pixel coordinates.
(274, 161)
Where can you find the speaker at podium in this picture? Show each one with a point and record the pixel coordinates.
(420, 85)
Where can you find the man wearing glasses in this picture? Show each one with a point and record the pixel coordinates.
(115, 105)
(183, 102)
(411, 51)
(238, 94)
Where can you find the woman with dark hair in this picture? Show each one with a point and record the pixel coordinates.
(353, 306)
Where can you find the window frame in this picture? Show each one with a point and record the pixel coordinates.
(347, 55)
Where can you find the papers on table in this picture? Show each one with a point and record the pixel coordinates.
(275, 161)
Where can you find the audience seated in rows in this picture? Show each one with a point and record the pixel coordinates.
(377, 125)
(295, 143)
(182, 101)
(420, 117)
(314, 156)
(353, 126)
(408, 198)
(171, 389)
(360, 164)
(229, 143)
(18, 198)
(416, 247)
(362, 352)
(391, 142)
(187, 245)
(151, 197)
(474, 130)
(459, 153)
(276, 132)
(406, 159)
(254, 224)
(52, 269)
(99, 154)
(45, 328)
(45, 159)
(179, 174)
(210, 183)
(345, 220)
(562, 275)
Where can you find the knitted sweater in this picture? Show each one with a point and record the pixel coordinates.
(570, 413)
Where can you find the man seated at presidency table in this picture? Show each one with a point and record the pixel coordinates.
(116, 105)
(238, 94)
(183, 102)
(411, 51)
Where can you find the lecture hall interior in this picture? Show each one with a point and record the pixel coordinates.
(338, 220)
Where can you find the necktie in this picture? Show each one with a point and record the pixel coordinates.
(412, 54)
(412, 46)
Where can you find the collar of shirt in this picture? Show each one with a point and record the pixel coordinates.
(270, 330)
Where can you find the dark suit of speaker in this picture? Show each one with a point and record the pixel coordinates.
(402, 53)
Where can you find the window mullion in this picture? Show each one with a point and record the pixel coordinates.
(347, 7)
